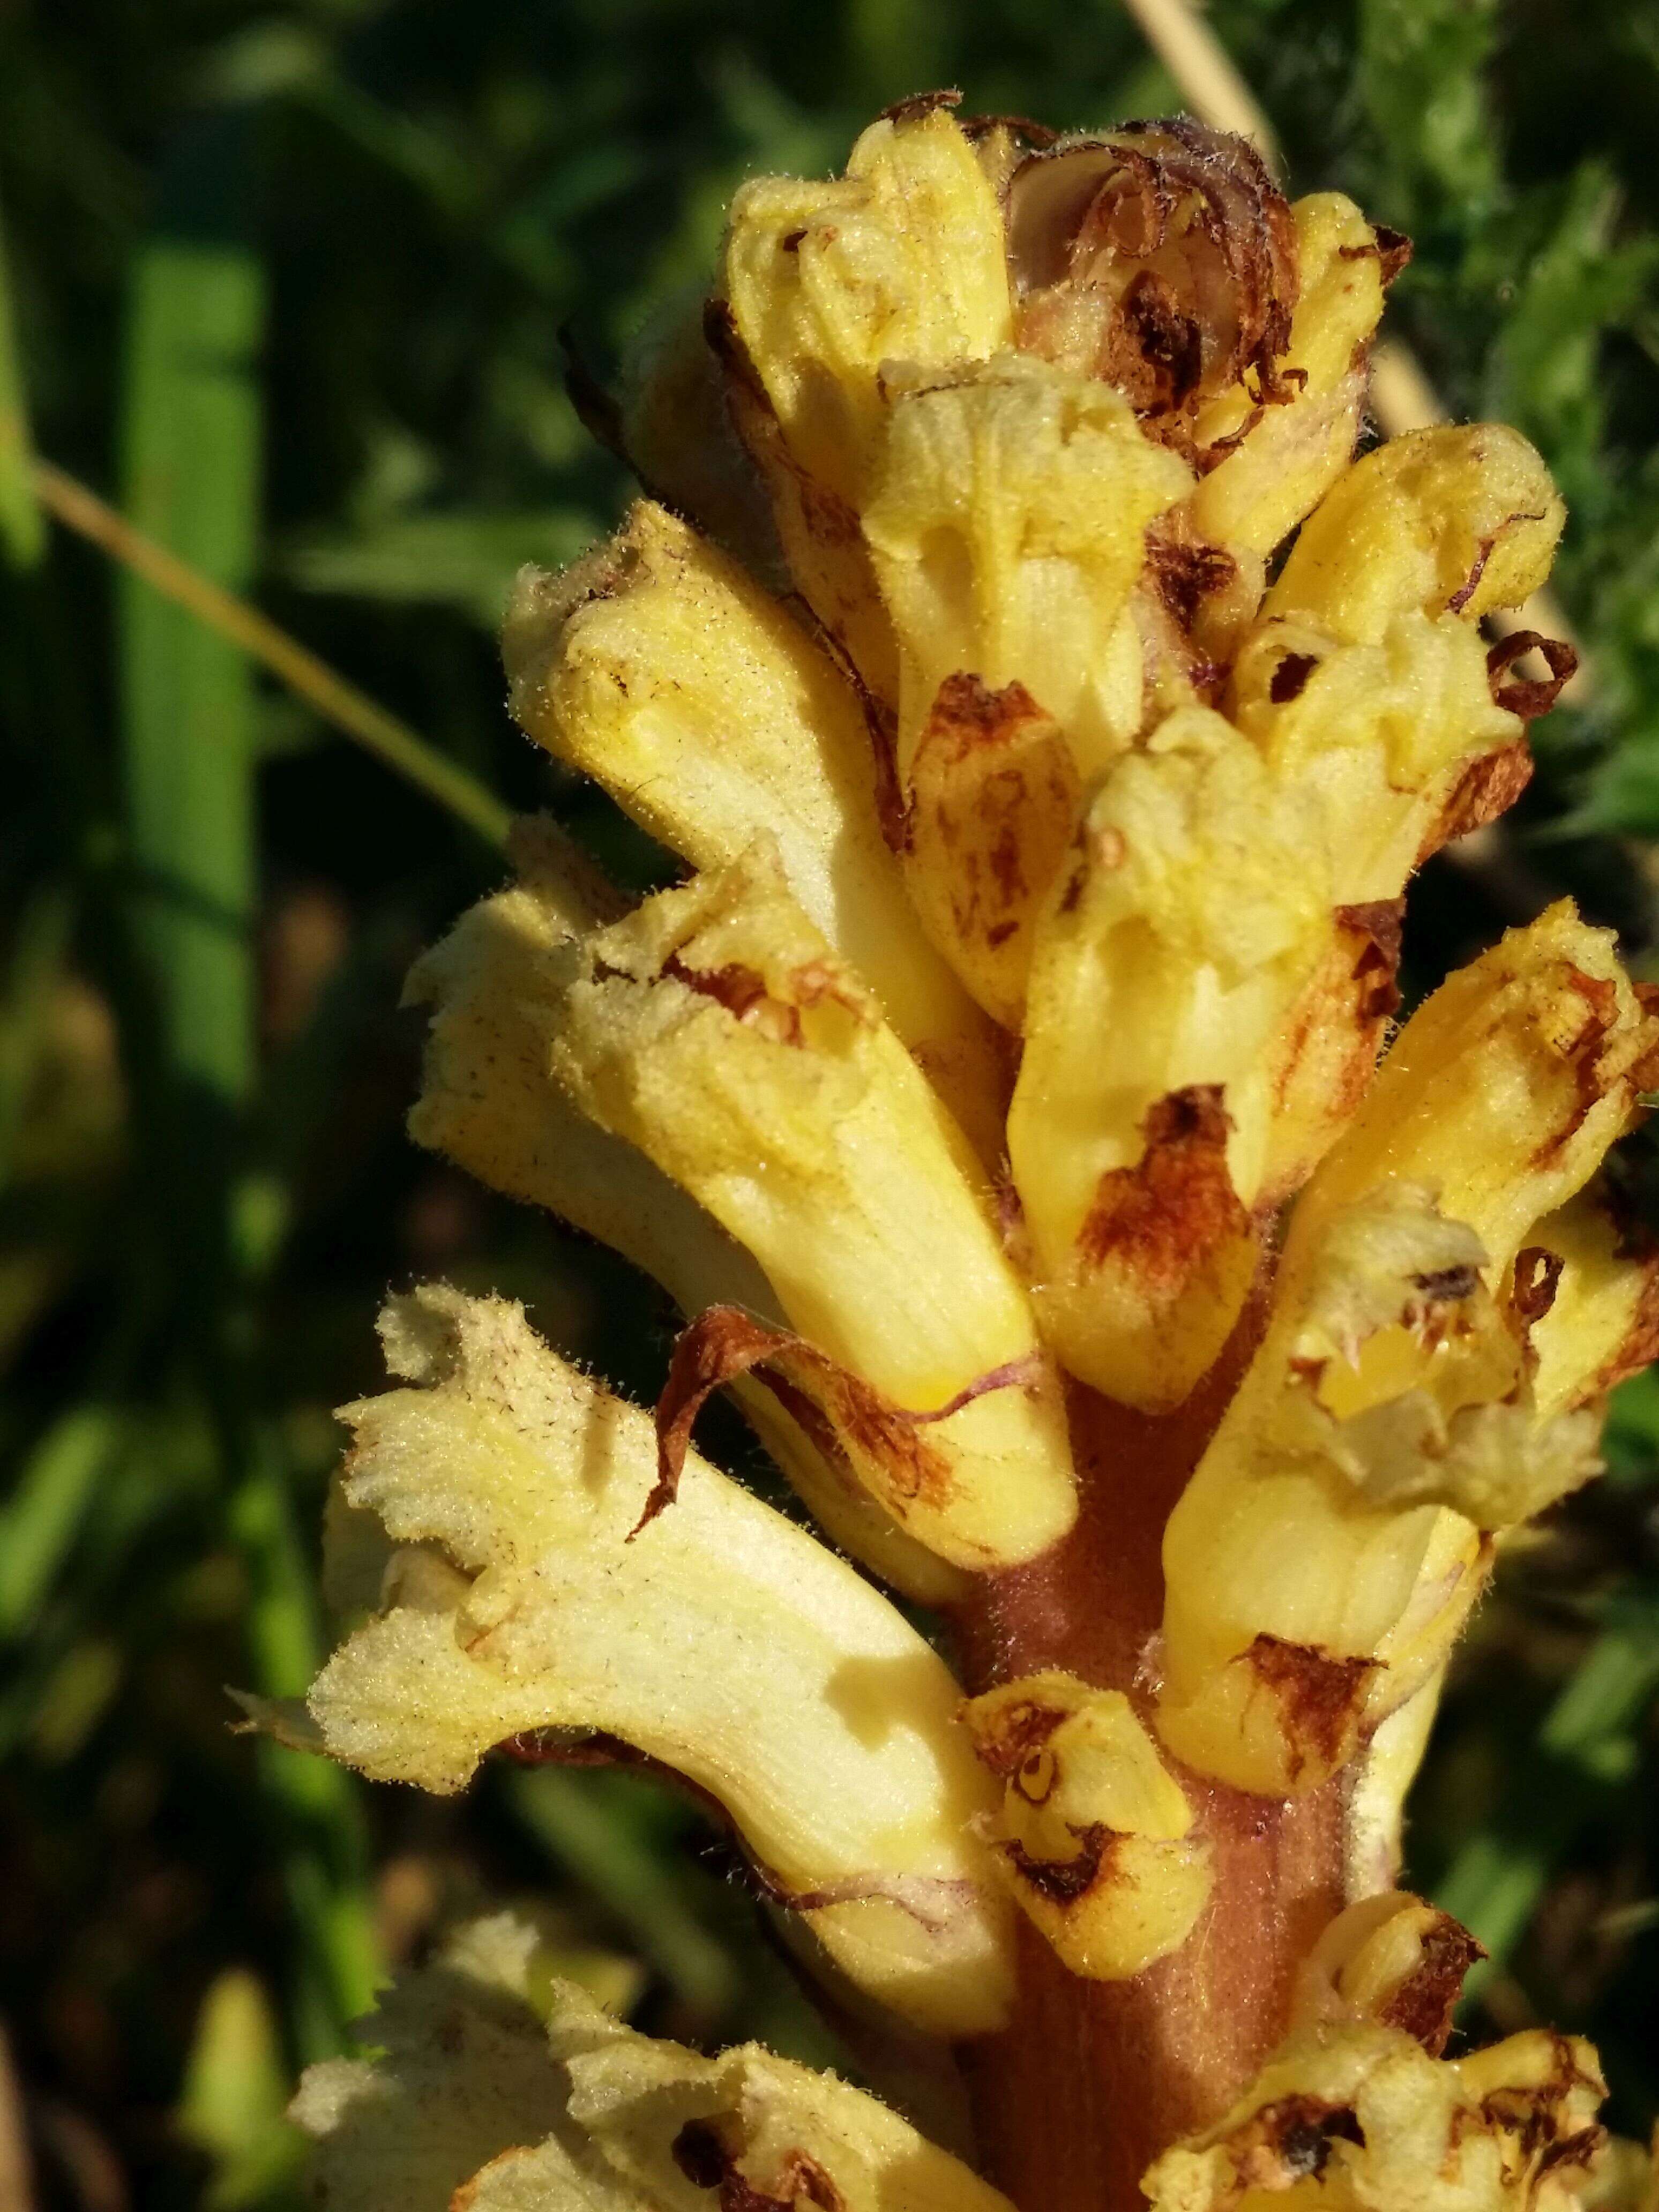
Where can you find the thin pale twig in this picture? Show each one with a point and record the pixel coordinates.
(311, 679)
(16, 2173)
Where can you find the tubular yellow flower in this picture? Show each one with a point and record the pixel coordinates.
(1091, 1836)
(1288, 456)
(520, 1595)
(1008, 525)
(657, 666)
(1190, 918)
(1457, 520)
(500, 2089)
(495, 987)
(900, 259)
(1506, 1088)
(1327, 1549)
(1356, 2108)
(715, 1029)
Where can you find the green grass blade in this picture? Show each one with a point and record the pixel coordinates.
(1586, 1746)
(21, 530)
(42, 1513)
(593, 1841)
(322, 688)
(192, 437)
(193, 475)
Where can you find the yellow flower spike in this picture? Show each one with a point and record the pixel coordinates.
(1326, 1552)
(715, 1029)
(1091, 1835)
(489, 1100)
(899, 261)
(1356, 2111)
(1007, 523)
(721, 1641)
(658, 668)
(1190, 918)
(497, 2088)
(1460, 520)
(1289, 455)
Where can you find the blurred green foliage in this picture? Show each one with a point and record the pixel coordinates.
(288, 277)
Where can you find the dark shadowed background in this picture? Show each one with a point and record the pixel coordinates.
(286, 282)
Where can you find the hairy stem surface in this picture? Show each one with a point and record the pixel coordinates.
(1091, 2079)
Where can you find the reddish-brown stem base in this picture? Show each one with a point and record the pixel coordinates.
(1091, 2079)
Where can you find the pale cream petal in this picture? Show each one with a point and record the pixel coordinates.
(719, 1640)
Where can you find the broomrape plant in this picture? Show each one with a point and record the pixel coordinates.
(999, 1096)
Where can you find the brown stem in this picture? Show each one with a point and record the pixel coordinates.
(1091, 2079)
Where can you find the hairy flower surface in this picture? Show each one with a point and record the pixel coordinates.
(499, 2089)
(1008, 1096)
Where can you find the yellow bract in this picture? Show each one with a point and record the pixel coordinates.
(1091, 1836)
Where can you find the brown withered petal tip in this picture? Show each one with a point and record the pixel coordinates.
(726, 1342)
(1184, 575)
(1318, 1692)
(705, 2162)
(918, 104)
(1159, 1218)
(1391, 249)
(1424, 2003)
(1165, 346)
(1529, 698)
(1063, 1881)
(1488, 786)
(1016, 1732)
